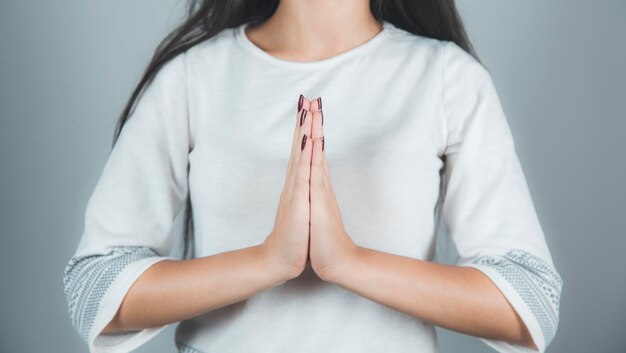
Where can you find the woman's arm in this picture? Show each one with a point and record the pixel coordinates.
(458, 298)
(175, 290)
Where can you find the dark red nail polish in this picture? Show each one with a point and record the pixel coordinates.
(322, 112)
(303, 142)
(322, 143)
(300, 101)
(319, 103)
(302, 116)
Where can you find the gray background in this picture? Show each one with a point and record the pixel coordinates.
(67, 68)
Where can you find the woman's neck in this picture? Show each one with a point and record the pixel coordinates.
(306, 31)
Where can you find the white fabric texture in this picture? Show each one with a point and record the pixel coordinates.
(412, 124)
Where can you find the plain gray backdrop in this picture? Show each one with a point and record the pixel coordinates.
(67, 68)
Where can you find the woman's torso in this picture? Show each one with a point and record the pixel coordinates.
(384, 137)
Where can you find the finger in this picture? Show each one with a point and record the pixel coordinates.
(317, 166)
(324, 160)
(316, 104)
(304, 104)
(297, 153)
(327, 182)
(300, 192)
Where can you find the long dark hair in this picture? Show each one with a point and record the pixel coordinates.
(438, 19)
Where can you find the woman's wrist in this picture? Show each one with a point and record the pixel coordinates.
(271, 264)
(346, 268)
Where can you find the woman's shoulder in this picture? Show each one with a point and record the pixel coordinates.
(426, 49)
(215, 45)
(401, 42)
(401, 36)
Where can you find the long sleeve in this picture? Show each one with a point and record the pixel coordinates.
(130, 214)
(487, 207)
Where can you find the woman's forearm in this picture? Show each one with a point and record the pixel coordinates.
(174, 290)
(458, 298)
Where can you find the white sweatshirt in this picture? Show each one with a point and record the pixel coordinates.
(403, 113)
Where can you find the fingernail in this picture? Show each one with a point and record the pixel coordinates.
(303, 142)
(319, 103)
(302, 116)
(322, 112)
(322, 143)
(300, 100)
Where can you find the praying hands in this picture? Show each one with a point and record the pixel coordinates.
(308, 225)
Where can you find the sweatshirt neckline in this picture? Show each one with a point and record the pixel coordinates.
(362, 48)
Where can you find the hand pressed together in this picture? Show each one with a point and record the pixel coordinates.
(308, 224)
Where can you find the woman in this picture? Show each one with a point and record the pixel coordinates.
(313, 229)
